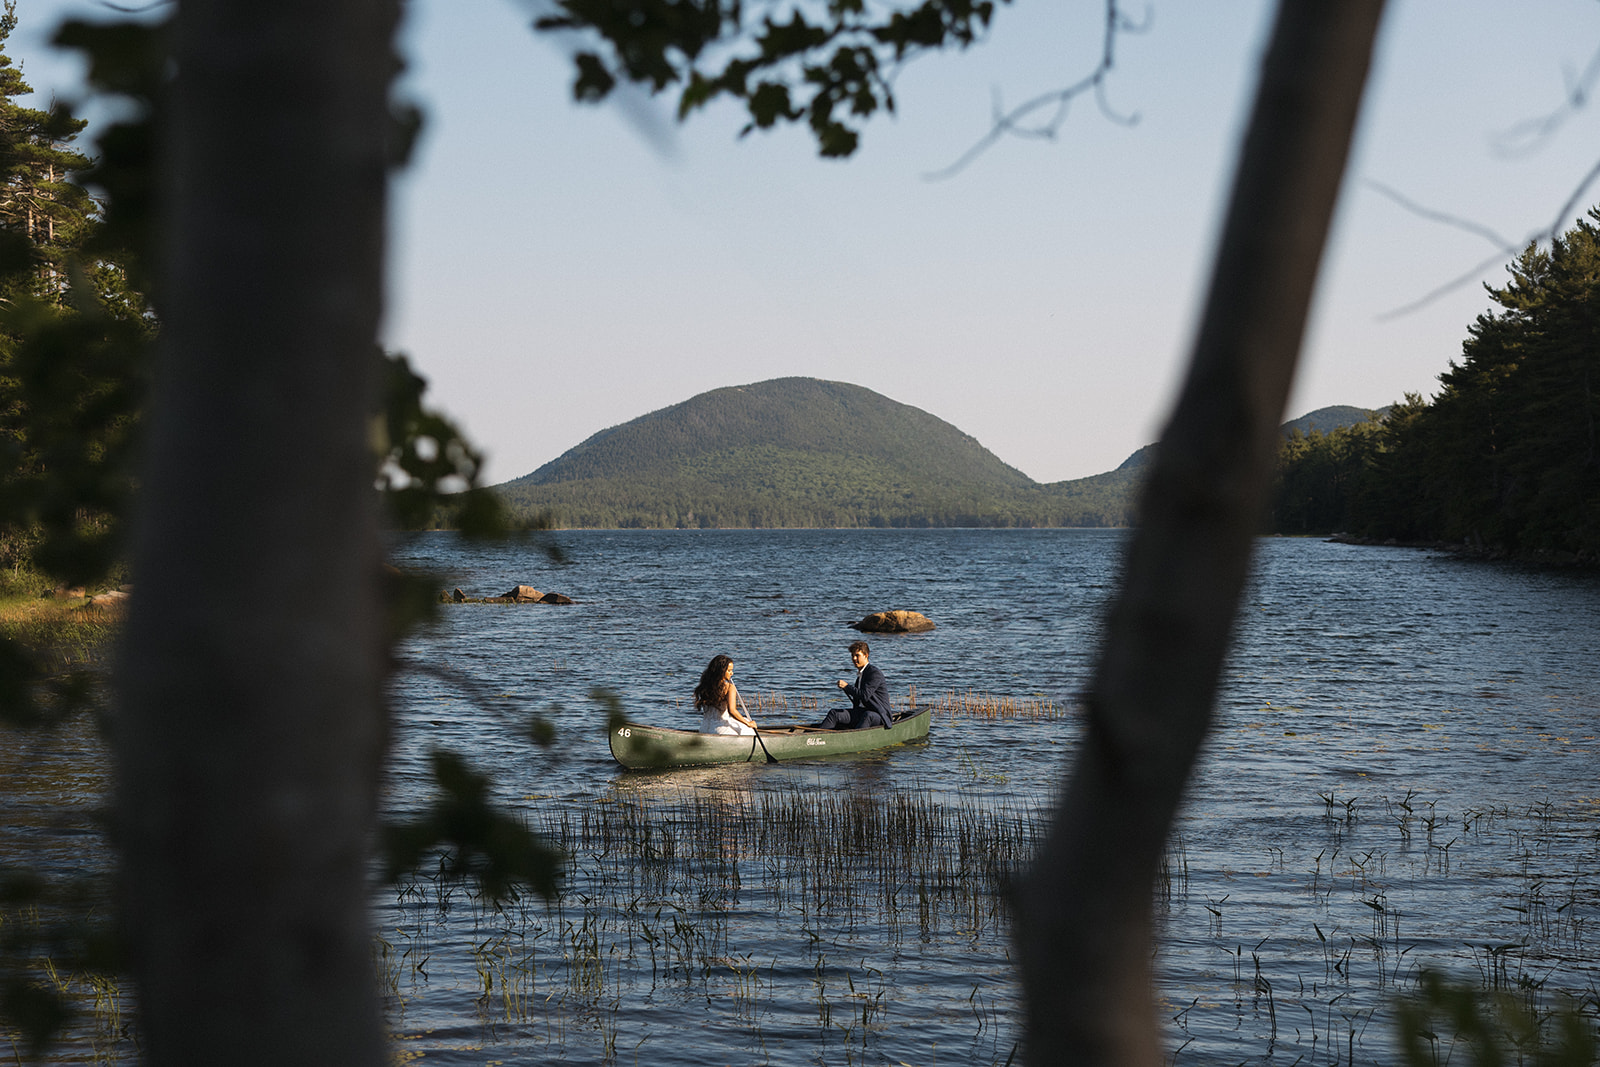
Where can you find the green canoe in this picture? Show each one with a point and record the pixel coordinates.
(637, 746)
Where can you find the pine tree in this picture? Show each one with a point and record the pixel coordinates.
(1507, 456)
(73, 346)
(44, 214)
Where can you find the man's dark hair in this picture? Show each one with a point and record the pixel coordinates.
(862, 646)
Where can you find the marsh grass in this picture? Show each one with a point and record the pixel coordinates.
(774, 703)
(1391, 951)
(80, 1006)
(971, 705)
(731, 899)
(783, 912)
(62, 635)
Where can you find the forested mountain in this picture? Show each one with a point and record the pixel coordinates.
(1507, 457)
(804, 452)
(801, 418)
(799, 452)
(1326, 420)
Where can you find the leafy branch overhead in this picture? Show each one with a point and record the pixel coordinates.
(830, 66)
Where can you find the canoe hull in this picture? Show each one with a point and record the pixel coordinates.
(637, 746)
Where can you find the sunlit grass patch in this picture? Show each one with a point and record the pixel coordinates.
(62, 634)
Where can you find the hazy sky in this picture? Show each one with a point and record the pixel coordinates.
(557, 270)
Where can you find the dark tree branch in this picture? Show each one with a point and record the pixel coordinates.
(1524, 137)
(155, 5)
(1528, 135)
(1015, 122)
(1563, 215)
(1504, 251)
(1466, 278)
(1501, 245)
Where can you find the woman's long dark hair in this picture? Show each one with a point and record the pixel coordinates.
(713, 685)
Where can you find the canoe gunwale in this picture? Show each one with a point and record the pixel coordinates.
(640, 746)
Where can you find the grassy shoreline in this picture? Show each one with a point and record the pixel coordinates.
(61, 633)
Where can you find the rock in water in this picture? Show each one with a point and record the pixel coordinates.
(555, 598)
(894, 622)
(523, 594)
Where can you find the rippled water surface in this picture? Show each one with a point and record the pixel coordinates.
(1402, 774)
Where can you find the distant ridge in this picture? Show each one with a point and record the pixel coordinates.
(803, 452)
(1322, 420)
(1326, 420)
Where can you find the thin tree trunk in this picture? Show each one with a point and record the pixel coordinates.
(249, 737)
(1084, 926)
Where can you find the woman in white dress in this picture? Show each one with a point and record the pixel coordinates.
(718, 700)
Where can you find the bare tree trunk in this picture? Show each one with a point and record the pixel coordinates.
(1084, 910)
(249, 739)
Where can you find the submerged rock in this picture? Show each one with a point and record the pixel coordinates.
(894, 622)
(521, 594)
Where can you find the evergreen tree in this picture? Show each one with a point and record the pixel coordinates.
(45, 215)
(1548, 366)
(1318, 476)
(1507, 457)
(72, 338)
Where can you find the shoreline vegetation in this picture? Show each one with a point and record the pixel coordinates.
(1503, 460)
(62, 632)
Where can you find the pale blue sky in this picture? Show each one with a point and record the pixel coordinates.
(555, 271)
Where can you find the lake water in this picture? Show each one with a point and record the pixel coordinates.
(1403, 774)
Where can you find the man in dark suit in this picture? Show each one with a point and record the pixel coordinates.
(869, 696)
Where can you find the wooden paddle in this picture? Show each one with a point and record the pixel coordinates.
(760, 742)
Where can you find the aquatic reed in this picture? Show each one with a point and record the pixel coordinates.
(661, 892)
(767, 901)
(773, 702)
(661, 889)
(972, 705)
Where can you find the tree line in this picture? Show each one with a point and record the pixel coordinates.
(1505, 459)
(1105, 500)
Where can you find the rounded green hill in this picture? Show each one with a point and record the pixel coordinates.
(789, 452)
